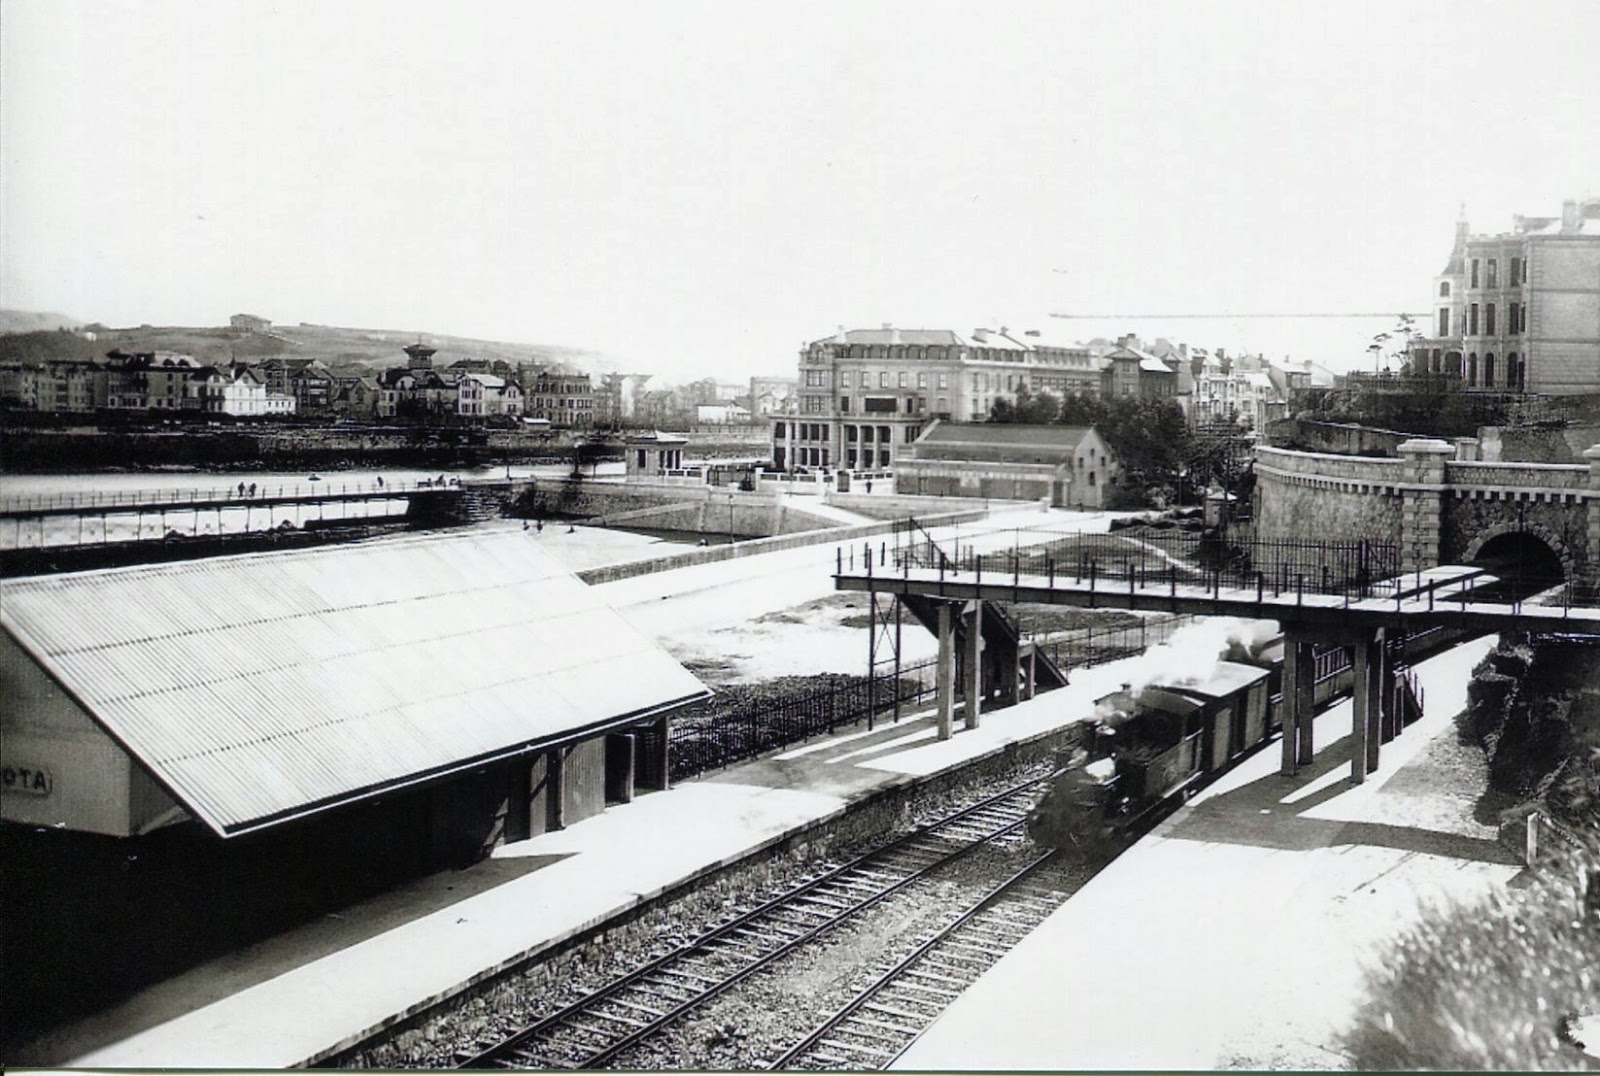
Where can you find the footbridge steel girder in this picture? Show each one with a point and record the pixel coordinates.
(1440, 597)
(1434, 603)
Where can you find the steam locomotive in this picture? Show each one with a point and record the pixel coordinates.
(1151, 748)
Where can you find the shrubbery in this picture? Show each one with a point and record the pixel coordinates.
(1488, 986)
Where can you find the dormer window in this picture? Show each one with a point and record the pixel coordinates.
(1444, 289)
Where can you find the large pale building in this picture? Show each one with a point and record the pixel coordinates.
(866, 394)
(1520, 311)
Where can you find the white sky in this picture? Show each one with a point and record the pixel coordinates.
(698, 188)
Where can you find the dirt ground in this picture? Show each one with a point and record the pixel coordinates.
(827, 635)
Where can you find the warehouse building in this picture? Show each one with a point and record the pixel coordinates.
(247, 692)
(1069, 465)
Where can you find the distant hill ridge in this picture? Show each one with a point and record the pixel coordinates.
(368, 350)
(29, 321)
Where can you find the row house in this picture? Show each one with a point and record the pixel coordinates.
(865, 394)
(772, 395)
(52, 386)
(249, 323)
(425, 393)
(309, 381)
(564, 398)
(1519, 311)
(356, 397)
(141, 381)
(245, 393)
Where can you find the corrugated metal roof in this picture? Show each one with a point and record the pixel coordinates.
(259, 687)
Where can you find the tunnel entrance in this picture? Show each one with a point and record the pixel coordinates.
(1522, 559)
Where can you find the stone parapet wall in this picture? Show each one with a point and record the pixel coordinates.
(1434, 508)
(1518, 475)
(1330, 468)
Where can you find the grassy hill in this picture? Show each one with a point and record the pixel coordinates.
(367, 350)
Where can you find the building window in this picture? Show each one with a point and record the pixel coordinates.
(844, 405)
(1444, 291)
(904, 379)
(1516, 272)
(1494, 266)
(1472, 320)
(922, 379)
(1488, 317)
(1472, 369)
(844, 379)
(944, 381)
(1444, 321)
(1511, 318)
(1488, 371)
(883, 379)
(1474, 282)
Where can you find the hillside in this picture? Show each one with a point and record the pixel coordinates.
(340, 348)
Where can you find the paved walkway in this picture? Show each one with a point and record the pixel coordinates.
(1235, 935)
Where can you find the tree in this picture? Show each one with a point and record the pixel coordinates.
(1401, 336)
(1028, 409)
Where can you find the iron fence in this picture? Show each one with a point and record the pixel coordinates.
(1168, 559)
(717, 739)
(1097, 645)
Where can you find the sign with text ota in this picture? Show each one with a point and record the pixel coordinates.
(25, 780)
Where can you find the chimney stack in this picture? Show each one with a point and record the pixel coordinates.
(1569, 217)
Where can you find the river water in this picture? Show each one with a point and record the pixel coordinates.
(155, 486)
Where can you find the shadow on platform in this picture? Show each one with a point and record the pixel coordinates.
(1267, 814)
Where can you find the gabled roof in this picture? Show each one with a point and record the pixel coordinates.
(263, 687)
(995, 434)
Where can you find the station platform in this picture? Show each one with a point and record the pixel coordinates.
(1236, 934)
(1231, 936)
(307, 993)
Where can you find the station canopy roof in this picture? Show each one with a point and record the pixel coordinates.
(263, 687)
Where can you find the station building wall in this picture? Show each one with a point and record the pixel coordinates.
(59, 768)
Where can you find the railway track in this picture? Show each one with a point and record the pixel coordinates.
(876, 1026)
(594, 1030)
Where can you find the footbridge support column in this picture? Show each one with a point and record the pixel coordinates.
(945, 674)
(973, 617)
(1299, 704)
(1367, 698)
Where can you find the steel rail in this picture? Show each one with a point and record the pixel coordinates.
(890, 977)
(496, 1054)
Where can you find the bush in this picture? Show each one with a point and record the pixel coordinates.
(1488, 987)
